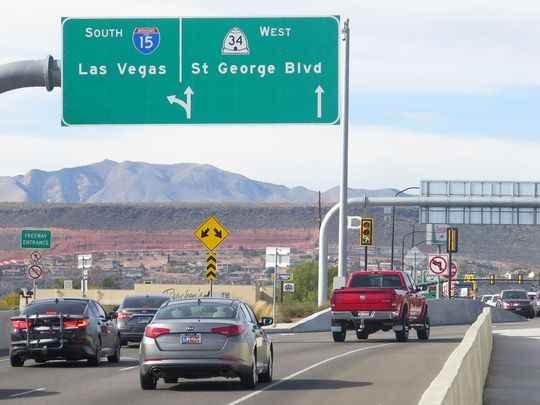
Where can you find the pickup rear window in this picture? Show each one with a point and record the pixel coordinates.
(376, 281)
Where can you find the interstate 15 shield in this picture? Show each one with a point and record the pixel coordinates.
(146, 39)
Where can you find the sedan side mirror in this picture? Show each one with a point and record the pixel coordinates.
(266, 321)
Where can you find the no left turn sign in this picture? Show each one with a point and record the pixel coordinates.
(438, 264)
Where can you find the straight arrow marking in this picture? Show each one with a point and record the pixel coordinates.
(319, 91)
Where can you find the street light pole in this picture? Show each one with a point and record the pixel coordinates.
(403, 246)
(394, 223)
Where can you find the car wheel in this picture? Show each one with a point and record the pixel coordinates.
(124, 342)
(148, 381)
(250, 378)
(362, 334)
(268, 373)
(403, 334)
(96, 358)
(16, 361)
(423, 331)
(115, 358)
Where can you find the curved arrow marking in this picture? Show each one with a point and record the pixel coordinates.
(186, 105)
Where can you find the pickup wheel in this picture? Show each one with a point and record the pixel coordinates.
(362, 334)
(403, 334)
(339, 336)
(423, 331)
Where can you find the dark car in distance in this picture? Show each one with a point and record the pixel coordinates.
(135, 312)
(64, 329)
(516, 301)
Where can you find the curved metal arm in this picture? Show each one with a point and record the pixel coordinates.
(30, 73)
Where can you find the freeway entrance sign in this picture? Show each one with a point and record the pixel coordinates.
(35, 239)
(200, 70)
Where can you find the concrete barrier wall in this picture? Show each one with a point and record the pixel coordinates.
(5, 329)
(464, 311)
(462, 378)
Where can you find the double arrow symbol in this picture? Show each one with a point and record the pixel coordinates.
(217, 233)
(211, 266)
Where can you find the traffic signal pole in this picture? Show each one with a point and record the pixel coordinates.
(342, 252)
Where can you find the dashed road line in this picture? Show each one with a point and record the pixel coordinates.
(291, 376)
(129, 368)
(20, 394)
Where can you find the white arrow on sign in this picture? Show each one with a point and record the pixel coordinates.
(186, 105)
(319, 91)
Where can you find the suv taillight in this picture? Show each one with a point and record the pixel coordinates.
(21, 324)
(155, 331)
(76, 323)
(125, 315)
(233, 330)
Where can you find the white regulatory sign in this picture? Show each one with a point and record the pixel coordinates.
(438, 264)
(288, 287)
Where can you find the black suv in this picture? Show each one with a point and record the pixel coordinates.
(64, 328)
(135, 312)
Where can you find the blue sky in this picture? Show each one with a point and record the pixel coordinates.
(511, 113)
(446, 89)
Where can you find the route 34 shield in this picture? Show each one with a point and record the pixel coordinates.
(146, 39)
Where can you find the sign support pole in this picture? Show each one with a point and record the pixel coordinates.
(34, 289)
(211, 288)
(365, 258)
(342, 253)
(450, 274)
(274, 289)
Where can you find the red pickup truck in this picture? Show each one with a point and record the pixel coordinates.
(379, 300)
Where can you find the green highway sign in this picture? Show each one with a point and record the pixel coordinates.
(36, 239)
(200, 70)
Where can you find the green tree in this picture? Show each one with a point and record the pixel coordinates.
(305, 279)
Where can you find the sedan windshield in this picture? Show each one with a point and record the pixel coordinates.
(514, 295)
(194, 310)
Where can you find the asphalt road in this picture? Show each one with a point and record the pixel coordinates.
(514, 370)
(309, 369)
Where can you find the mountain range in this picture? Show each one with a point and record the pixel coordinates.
(140, 182)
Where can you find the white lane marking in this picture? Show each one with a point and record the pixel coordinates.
(20, 394)
(1, 360)
(128, 368)
(291, 376)
(287, 334)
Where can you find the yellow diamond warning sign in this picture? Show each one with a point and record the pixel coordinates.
(211, 233)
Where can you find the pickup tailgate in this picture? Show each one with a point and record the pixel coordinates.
(363, 299)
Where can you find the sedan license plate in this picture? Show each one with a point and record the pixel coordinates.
(191, 339)
(144, 320)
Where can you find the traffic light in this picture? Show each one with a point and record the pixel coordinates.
(452, 240)
(520, 279)
(492, 279)
(366, 232)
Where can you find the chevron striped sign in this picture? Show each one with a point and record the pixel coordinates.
(211, 266)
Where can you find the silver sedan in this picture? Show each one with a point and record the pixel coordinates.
(204, 338)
